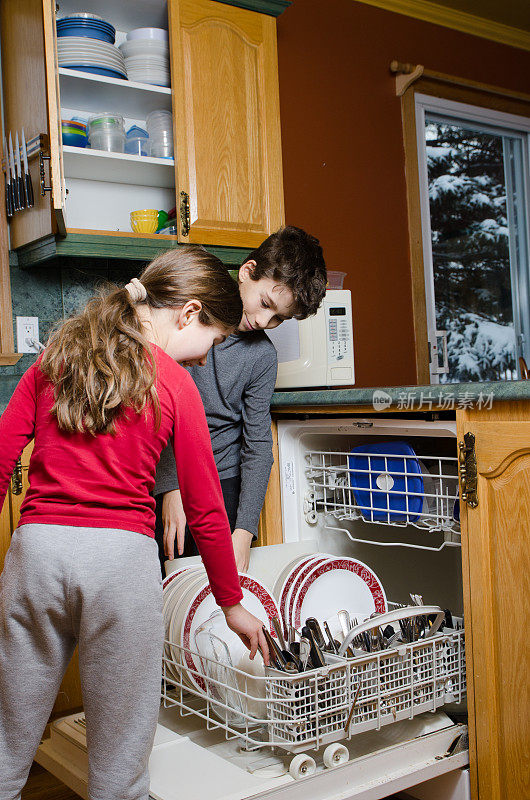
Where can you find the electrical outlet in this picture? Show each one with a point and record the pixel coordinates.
(27, 328)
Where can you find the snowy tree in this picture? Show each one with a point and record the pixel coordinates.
(467, 196)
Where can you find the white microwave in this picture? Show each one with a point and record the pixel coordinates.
(317, 351)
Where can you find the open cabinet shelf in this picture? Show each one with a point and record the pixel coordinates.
(97, 165)
(96, 93)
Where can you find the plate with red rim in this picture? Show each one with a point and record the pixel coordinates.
(286, 579)
(201, 605)
(334, 584)
(301, 575)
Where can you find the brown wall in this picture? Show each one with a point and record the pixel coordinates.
(343, 155)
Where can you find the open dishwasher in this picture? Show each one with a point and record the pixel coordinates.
(364, 727)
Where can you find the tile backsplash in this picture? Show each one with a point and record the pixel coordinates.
(53, 292)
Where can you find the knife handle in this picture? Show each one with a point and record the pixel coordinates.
(29, 190)
(9, 199)
(21, 192)
(14, 190)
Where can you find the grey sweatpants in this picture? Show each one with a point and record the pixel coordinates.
(101, 588)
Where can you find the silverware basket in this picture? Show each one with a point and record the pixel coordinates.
(302, 711)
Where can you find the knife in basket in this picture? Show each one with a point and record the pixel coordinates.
(28, 186)
(7, 183)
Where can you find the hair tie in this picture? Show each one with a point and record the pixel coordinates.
(137, 290)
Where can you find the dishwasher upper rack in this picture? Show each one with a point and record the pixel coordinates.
(330, 489)
(305, 711)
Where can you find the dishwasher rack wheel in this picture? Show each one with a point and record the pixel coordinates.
(302, 766)
(335, 755)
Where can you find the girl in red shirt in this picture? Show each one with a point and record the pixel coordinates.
(101, 403)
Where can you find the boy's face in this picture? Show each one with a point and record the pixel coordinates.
(266, 303)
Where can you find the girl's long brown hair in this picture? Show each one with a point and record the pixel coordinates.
(100, 361)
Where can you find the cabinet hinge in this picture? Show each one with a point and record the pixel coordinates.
(467, 460)
(16, 480)
(184, 213)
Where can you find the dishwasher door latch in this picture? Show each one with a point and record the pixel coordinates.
(467, 460)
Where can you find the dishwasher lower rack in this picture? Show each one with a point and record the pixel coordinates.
(304, 711)
(383, 488)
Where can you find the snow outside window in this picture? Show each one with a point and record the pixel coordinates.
(474, 193)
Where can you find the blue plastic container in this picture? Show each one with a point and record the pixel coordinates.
(381, 489)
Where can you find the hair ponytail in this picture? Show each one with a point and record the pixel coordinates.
(100, 361)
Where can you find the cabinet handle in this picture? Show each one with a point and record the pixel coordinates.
(43, 187)
(468, 470)
(16, 480)
(184, 213)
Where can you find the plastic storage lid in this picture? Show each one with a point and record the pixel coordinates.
(106, 119)
(387, 481)
(136, 132)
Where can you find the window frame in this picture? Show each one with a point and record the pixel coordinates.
(479, 99)
(486, 120)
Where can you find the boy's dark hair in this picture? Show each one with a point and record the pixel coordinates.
(293, 257)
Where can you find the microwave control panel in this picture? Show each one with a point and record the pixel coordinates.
(339, 334)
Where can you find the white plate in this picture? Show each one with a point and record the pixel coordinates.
(88, 44)
(301, 575)
(256, 598)
(286, 579)
(335, 584)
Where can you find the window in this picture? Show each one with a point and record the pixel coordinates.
(474, 179)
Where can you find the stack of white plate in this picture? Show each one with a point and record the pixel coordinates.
(320, 585)
(189, 604)
(91, 55)
(147, 59)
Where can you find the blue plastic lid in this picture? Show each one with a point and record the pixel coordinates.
(134, 130)
(387, 481)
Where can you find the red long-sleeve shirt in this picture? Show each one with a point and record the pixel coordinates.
(104, 481)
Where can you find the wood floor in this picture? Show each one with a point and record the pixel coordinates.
(42, 785)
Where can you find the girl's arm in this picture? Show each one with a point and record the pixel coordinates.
(17, 426)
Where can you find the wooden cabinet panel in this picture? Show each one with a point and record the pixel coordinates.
(30, 95)
(226, 121)
(5, 530)
(496, 560)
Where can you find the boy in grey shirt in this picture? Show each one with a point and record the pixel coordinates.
(285, 277)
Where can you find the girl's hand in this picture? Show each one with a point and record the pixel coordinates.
(248, 628)
(174, 520)
(241, 541)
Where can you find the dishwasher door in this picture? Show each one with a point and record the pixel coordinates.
(192, 762)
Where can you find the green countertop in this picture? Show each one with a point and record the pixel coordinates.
(449, 397)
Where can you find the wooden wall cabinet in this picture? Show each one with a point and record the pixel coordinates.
(225, 104)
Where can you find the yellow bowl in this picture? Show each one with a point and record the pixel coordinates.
(144, 212)
(144, 225)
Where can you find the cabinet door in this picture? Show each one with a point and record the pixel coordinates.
(5, 530)
(31, 102)
(226, 121)
(496, 569)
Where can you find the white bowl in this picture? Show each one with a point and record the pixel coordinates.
(148, 33)
(144, 47)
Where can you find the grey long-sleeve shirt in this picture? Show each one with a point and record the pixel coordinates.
(236, 387)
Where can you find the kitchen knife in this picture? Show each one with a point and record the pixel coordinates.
(20, 179)
(28, 186)
(7, 183)
(14, 187)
